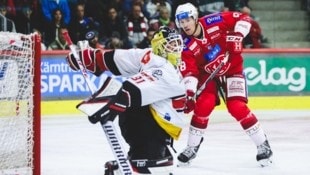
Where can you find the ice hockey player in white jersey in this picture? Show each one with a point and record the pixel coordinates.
(149, 102)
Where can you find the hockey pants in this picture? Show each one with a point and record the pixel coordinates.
(146, 139)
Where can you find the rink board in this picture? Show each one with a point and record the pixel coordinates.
(255, 103)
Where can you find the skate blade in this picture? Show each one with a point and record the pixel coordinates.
(265, 162)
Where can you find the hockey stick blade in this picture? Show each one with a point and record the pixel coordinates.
(118, 151)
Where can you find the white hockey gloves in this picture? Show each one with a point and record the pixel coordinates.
(105, 104)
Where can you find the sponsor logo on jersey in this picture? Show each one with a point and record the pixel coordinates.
(193, 46)
(215, 36)
(213, 19)
(231, 38)
(167, 117)
(245, 25)
(157, 73)
(186, 41)
(212, 66)
(212, 54)
(236, 87)
(213, 29)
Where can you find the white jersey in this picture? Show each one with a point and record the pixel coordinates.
(159, 83)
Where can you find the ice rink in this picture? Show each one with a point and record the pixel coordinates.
(73, 146)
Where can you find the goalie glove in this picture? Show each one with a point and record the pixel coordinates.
(91, 59)
(105, 104)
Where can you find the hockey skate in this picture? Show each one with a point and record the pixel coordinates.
(110, 167)
(264, 154)
(188, 154)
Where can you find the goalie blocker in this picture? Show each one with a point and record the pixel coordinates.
(105, 104)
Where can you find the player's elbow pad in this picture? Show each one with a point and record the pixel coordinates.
(242, 27)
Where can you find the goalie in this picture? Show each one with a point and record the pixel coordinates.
(149, 103)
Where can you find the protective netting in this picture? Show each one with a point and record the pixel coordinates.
(16, 103)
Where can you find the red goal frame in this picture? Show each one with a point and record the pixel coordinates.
(37, 105)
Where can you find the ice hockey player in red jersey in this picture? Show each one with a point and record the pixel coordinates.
(149, 103)
(212, 41)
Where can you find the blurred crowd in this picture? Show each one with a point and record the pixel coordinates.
(107, 23)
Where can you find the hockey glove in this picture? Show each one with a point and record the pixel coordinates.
(234, 42)
(190, 102)
(89, 58)
(109, 101)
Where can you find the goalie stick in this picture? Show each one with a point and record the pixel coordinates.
(108, 127)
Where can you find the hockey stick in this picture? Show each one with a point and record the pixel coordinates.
(221, 91)
(78, 59)
(108, 127)
(212, 75)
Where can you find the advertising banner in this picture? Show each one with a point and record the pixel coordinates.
(277, 74)
(267, 74)
(59, 81)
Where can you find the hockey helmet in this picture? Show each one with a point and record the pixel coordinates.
(168, 43)
(185, 11)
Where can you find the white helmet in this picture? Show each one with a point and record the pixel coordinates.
(185, 11)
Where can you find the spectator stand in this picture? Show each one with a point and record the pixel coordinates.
(81, 24)
(7, 24)
(114, 29)
(51, 29)
(137, 25)
(164, 19)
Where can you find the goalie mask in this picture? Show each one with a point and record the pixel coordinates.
(168, 43)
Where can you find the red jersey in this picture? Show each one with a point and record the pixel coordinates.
(201, 56)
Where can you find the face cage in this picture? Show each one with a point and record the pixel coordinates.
(173, 44)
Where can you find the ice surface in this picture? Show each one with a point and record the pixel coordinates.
(73, 146)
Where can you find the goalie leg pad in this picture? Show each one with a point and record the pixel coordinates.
(109, 101)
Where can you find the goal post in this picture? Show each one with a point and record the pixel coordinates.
(20, 98)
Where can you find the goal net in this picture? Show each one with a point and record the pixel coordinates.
(19, 103)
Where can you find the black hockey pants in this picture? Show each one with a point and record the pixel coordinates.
(147, 140)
